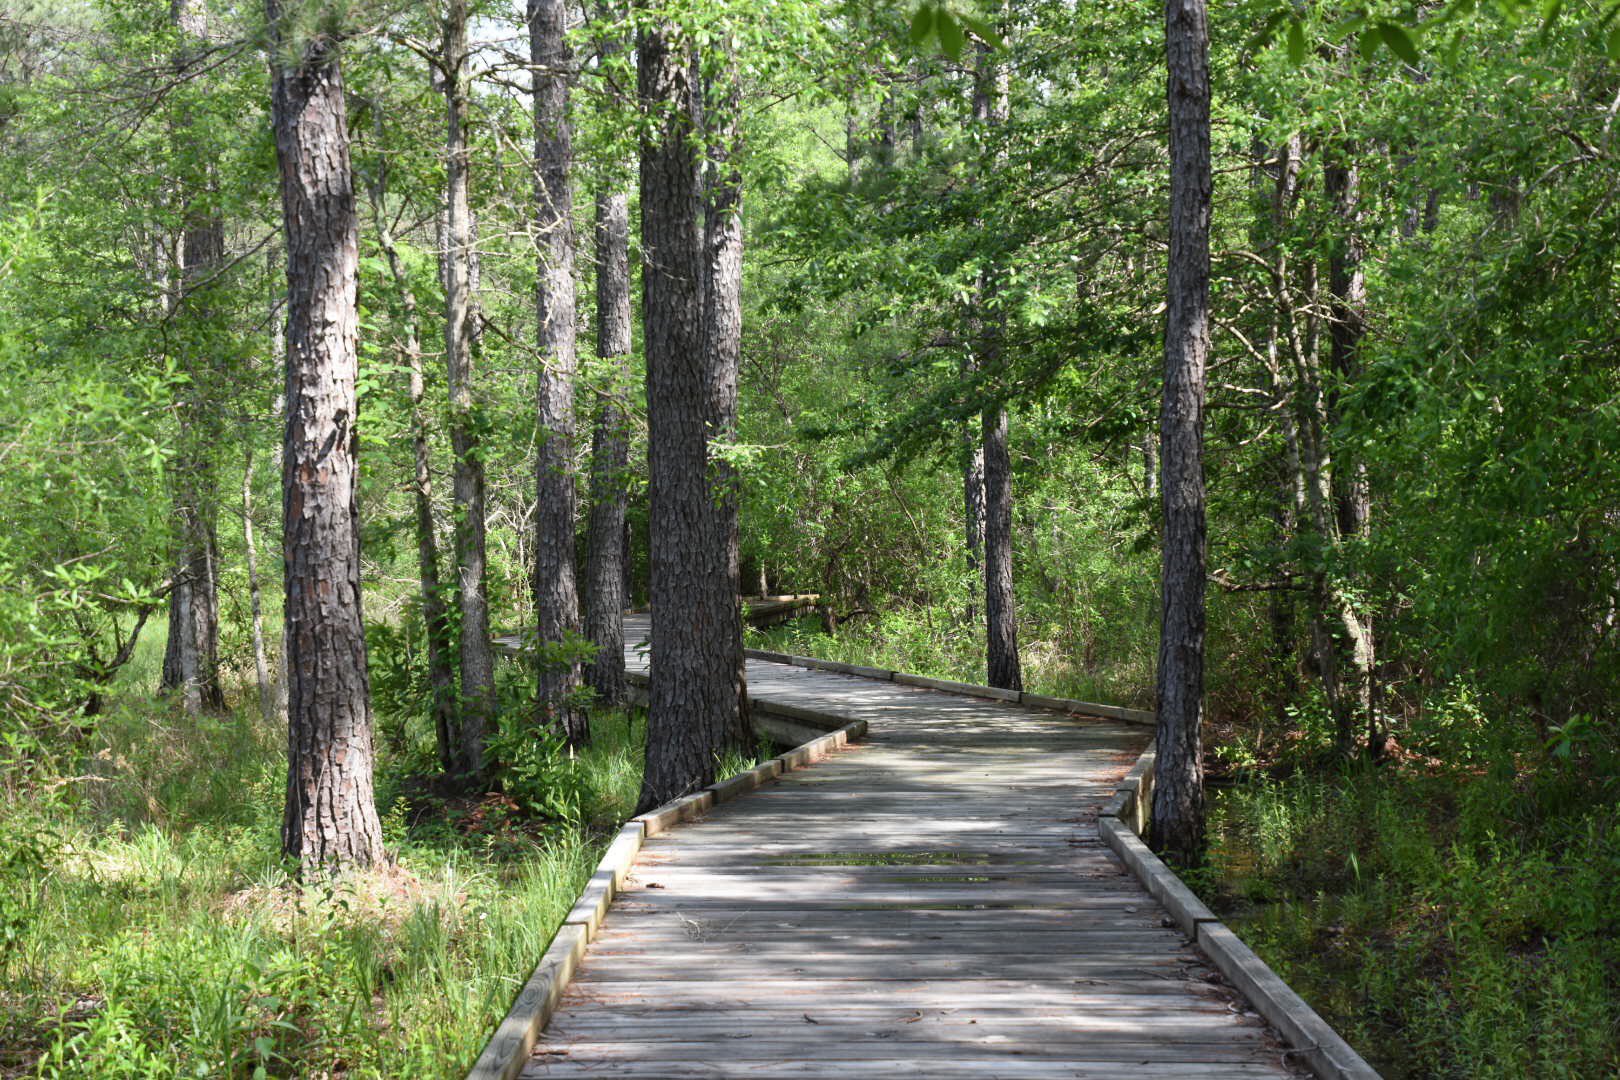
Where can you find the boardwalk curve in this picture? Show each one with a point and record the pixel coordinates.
(934, 900)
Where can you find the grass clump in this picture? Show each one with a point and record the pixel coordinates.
(1452, 916)
(149, 928)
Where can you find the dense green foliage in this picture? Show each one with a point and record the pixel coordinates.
(149, 927)
(1424, 837)
(1447, 922)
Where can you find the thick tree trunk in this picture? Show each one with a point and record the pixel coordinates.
(692, 698)
(610, 453)
(435, 619)
(261, 661)
(476, 652)
(1000, 612)
(190, 657)
(722, 346)
(1178, 794)
(1001, 621)
(331, 821)
(556, 596)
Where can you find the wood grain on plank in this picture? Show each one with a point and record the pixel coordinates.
(932, 901)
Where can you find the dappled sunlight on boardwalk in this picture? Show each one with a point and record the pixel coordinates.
(934, 901)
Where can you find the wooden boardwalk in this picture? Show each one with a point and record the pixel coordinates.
(931, 902)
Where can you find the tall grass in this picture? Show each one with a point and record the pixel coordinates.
(1451, 923)
(148, 927)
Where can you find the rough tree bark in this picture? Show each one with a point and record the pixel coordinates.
(556, 596)
(435, 619)
(331, 820)
(476, 651)
(610, 451)
(1000, 614)
(261, 662)
(190, 656)
(1178, 795)
(722, 347)
(692, 701)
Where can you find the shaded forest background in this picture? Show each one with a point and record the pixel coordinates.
(1412, 449)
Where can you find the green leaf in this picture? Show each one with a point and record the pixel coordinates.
(1399, 42)
(951, 37)
(986, 33)
(1296, 42)
(922, 24)
(1612, 43)
(1266, 33)
(1368, 44)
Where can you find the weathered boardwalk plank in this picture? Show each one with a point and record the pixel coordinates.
(933, 902)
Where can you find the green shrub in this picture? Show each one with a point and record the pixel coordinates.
(1444, 922)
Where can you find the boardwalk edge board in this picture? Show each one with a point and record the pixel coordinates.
(1013, 697)
(784, 724)
(1121, 822)
(509, 1049)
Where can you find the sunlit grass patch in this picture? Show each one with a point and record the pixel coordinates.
(156, 932)
(1437, 933)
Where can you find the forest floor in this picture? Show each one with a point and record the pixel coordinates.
(149, 927)
(1453, 913)
(1448, 921)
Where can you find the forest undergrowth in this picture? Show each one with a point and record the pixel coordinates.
(1453, 911)
(148, 927)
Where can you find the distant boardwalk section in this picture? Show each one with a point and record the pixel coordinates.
(932, 901)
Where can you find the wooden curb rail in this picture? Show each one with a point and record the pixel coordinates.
(1014, 697)
(785, 724)
(1121, 822)
(509, 1048)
